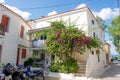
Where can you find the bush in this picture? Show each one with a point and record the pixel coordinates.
(37, 59)
(55, 67)
(28, 62)
(67, 67)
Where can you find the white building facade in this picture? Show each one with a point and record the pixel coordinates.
(14, 40)
(95, 61)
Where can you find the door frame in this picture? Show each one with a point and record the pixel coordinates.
(18, 54)
(0, 52)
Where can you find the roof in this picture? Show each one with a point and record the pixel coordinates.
(15, 14)
(67, 12)
(44, 17)
(107, 44)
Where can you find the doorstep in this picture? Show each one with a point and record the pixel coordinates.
(63, 76)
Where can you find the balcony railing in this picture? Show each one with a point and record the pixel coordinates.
(38, 44)
(2, 32)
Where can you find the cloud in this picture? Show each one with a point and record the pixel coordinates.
(113, 51)
(52, 13)
(81, 5)
(2, 1)
(25, 15)
(110, 42)
(106, 13)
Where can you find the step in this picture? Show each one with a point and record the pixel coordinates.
(79, 74)
(81, 64)
(81, 67)
(81, 61)
(81, 71)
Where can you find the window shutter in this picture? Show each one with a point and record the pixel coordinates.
(5, 21)
(23, 53)
(22, 32)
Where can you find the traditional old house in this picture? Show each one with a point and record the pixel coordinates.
(92, 62)
(107, 51)
(14, 42)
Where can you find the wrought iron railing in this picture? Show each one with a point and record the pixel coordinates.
(38, 44)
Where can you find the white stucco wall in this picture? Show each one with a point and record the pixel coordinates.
(94, 67)
(79, 17)
(11, 39)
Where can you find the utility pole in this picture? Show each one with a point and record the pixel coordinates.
(118, 1)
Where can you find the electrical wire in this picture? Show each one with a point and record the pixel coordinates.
(59, 5)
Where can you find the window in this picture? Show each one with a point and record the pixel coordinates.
(92, 52)
(5, 22)
(22, 32)
(93, 22)
(43, 37)
(23, 53)
(94, 35)
(98, 57)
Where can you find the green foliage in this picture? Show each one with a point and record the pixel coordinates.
(101, 22)
(114, 31)
(65, 67)
(36, 59)
(64, 40)
(28, 62)
(55, 67)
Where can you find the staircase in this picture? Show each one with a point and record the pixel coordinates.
(81, 68)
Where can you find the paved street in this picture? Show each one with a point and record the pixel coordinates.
(112, 73)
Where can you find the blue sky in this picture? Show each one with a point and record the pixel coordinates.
(32, 9)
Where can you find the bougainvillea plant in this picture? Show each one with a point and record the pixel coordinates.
(65, 39)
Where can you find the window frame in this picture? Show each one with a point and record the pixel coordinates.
(23, 53)
(3, 21)
(22, 29)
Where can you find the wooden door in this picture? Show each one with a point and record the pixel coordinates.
(18, 54)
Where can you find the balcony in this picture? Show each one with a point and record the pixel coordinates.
(38, 44)
(2, 32)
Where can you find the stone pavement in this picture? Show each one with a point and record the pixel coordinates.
(51, 78)
(112, 73)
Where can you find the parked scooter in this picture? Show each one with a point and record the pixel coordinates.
(8, 70)
(11, 73)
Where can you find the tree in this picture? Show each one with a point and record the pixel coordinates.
(101, 22)
(114, 31)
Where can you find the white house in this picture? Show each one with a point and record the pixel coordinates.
(93, 62)
(14, 40)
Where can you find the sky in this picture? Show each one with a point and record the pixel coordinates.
(33, 9)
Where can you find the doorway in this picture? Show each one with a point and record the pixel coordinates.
(18, 54)
(0, 52)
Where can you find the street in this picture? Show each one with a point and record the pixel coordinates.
(112, 73)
